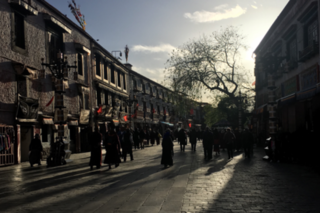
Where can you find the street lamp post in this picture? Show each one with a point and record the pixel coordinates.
(59, 70)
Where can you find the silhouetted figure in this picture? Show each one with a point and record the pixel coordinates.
(193, 139)
(182, 139)
(216, 142)
(95, 143)
(158, 136)
(153, 135)
(142, 137)
(167, 149)
(207, 141)
(229, 138)
(35, 149)
(113, 146)
(136, 138)
(127, 144)
(247, 141)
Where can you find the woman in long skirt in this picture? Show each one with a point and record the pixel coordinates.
(167, 150)
(35, 149)
(95, 158)
(113, 146)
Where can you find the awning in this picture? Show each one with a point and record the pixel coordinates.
(309, 93)
(27, 110)
(260, 109)
(116, 122)
(47, 121)
(23, 7)
(73, 123)
(57, 23)
(169, 124)
(287, 100)
(84, 116)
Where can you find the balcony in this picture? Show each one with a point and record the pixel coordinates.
(146, 91)
(137, 88)
(309, 52)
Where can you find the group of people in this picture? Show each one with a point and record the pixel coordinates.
(119, 144)
(213, 140)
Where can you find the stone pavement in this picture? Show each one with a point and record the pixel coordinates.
(143, 186)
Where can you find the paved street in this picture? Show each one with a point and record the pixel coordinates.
(142, 185)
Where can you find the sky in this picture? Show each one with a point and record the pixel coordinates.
(153, 28)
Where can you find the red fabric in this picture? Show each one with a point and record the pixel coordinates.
(165, 112)
(125, 118)
(190, 125)
(99, 110)
(191, 111)
(50, 102)
(153, 111)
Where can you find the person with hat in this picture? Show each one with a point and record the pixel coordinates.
(113, 147)
(229, 138)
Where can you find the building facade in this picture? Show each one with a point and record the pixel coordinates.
(287, 71)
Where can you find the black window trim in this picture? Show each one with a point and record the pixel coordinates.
(13, 45)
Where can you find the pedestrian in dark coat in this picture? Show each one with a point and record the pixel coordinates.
(176, 134)
(113, 147)
(35, 149)
(167, 150)
(158, 136)
(247, 141)
(216, 142)
(95, 143)
(153, 136)
(229, 138)
(136, 138)
(127, 145)
(207, 141)
(182, 139)
(193, 139)
(142, 137)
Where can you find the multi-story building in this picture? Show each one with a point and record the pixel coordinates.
(34, 30)
(287, 70)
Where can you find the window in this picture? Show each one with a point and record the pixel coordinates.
(112, 75)
(124, 82)
(106, 98)
(143, 88)
(80, 63)
(86, 101)
(292, 49)
(312, 33)
(44, 133)
(98, 66)
(98, 96)
(105, 74)
(55, 45)
(19, 36)
(119, 79)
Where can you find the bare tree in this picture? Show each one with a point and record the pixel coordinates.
(209, 63)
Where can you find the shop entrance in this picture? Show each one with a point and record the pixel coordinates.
(26, 137)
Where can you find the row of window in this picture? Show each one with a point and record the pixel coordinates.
(147, 89)
(108, 73)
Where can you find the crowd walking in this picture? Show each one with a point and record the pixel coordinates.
(120, 142)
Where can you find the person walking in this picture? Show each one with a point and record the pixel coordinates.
(95, 143)
(113, 146)
(207, 138)
(142, 136)
(247, 141)
(127, 144)
(35, 149)
(153, 136)
(136, 138)
(229, 138)
(193, 139)
(182, 139)
(167, 149)
(158, 136)
(216, 142)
